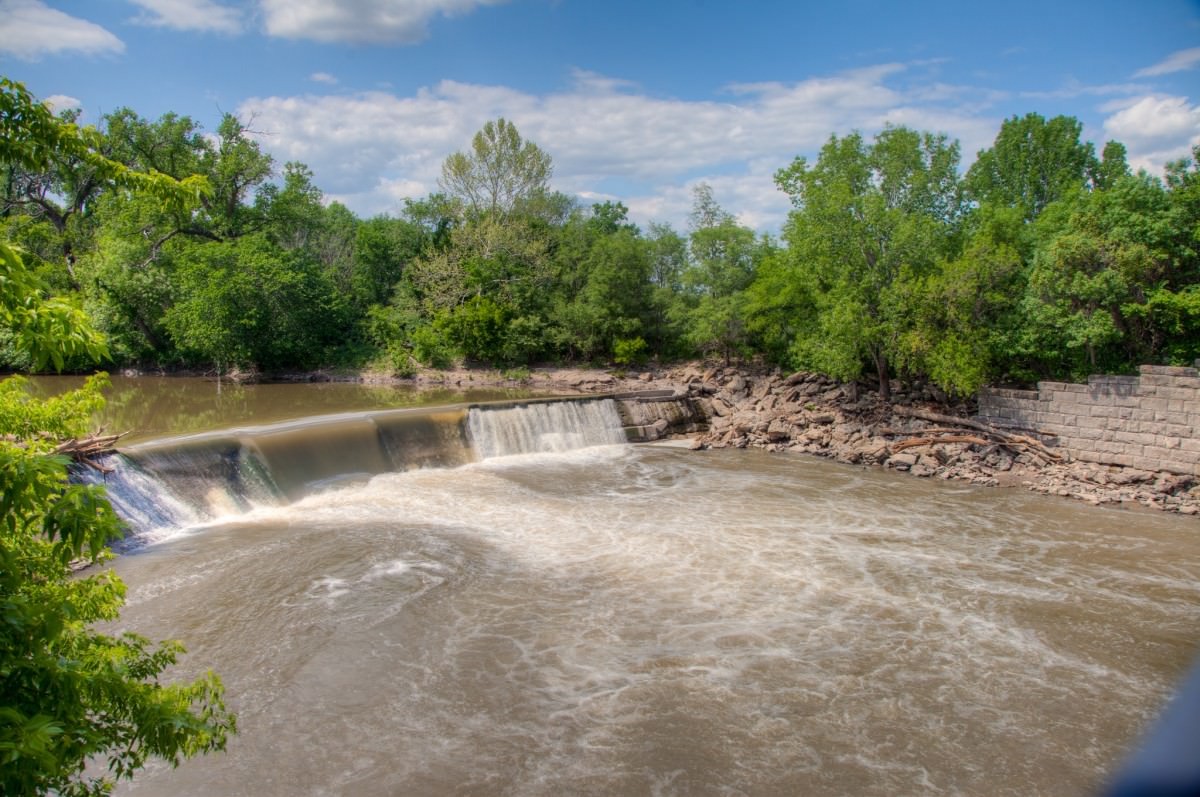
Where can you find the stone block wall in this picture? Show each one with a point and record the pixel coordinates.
(1150, 421)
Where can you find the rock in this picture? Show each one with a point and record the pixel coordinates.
(1131, 476)
(903, 460)
(779, 430)
(922, 470)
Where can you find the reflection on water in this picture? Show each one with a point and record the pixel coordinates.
(637, 620)
(148, 407)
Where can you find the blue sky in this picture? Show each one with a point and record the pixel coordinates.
(635, 101)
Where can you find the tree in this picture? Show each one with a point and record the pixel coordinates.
(1111, 283)
(868, 220)
(1032, 163)
(68, 694)
(249, 303)
(723, 256)
(500, 172)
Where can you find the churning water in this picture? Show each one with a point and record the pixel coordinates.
(652, 621)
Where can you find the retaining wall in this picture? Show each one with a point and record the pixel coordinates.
(1150, 421)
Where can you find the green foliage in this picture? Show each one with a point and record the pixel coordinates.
(500, 172)
(430, 347)
(72, 698)
(629, 351)
(870, 222)
(476, 328)
(249, 303)
(51, 330)
(58, 417)
(1034, 162)
(1043, 262)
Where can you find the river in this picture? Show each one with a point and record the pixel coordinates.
(616, 619)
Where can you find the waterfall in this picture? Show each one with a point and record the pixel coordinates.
(173, 483)
(143, 501)
(544, 427)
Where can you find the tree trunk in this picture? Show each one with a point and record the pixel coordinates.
(885, 381)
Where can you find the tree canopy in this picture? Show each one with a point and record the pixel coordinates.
(500, 171)
(1041, 261)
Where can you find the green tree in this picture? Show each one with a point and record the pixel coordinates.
(603, 293)
(869, 221)
(722, 258)
(249, 303)
(1033, 162)
(68, 694)
(500, 172)
(1111, 282)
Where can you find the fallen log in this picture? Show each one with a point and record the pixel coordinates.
(900, 445)
(85, 450)
(1016, 442)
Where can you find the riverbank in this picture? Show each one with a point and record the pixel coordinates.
(921, 433)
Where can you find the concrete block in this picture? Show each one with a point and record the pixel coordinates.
(1167, 370)
(1149, 463)
(1156, 404)
(1135, 438)
(1181, 393)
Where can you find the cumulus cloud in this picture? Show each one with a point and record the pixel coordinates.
(198, 15)
(1175, 62)
(360, 21)
(1155, 129)
(61, 102)
(323, 77)
(607, 137)
(32, 30)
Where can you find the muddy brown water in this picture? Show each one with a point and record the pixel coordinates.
(633, 620)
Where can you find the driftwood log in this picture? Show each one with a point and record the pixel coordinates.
(1017, 443)
(85, 450)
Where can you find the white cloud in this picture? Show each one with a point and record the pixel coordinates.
(32, 30)
(1175, 62)
(360, 21)
(323, 77)
(61, 102)
(1155, 129)
(607, 138)
(199, 15)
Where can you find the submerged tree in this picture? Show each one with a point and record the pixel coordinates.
(78, 708)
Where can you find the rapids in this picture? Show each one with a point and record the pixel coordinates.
(619, 619)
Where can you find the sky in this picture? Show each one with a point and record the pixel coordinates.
(635, 101)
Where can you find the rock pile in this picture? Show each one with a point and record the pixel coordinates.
(919, 432)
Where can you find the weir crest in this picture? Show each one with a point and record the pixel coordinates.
(181, 481)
